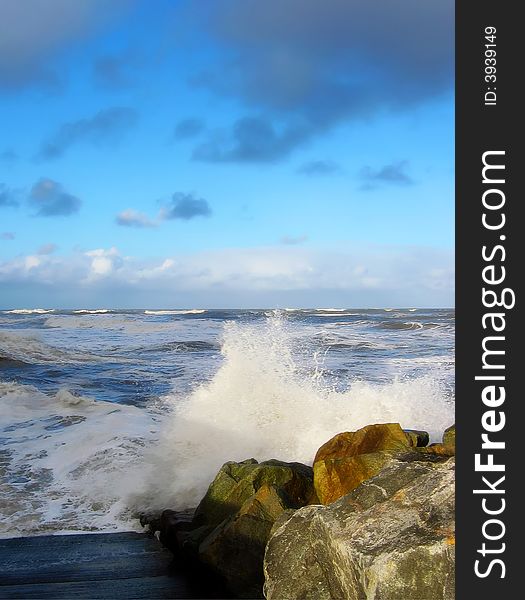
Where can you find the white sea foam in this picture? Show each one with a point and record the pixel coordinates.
(95, 311)
(261, 404)
(67, 461)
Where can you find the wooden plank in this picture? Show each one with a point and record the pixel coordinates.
(112, 566)
(76, 538)
(119, 589)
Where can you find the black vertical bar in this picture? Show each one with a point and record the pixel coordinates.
(488, 120)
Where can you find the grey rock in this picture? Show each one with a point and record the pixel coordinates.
(392, 538)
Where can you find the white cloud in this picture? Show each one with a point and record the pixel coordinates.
(31, 262)
(103, 262)
(134, 218)
(358, 276)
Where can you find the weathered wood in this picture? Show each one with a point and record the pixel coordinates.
(112, 566)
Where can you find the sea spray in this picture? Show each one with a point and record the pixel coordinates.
(263, 403)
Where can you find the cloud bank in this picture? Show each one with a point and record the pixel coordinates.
(250, 277)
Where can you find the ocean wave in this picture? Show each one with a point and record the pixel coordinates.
(407, 325)
(193, 311)
(357, 345)
(68, 460)
(74, 463)
(95, 311)
(29, 349)
(262, 404)
(338, 314)
(107, 322)
(29, 311)
(181, 346)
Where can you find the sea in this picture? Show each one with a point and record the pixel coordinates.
(107, 414)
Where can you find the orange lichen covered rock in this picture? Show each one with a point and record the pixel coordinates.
(352, 457)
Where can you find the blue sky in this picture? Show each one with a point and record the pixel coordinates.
(234, 153)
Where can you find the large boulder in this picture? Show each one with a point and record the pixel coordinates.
(232, 524)
(391, 538)
(352, 457)
(235, 549)
(236, 482)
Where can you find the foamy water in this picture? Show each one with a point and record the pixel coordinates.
(107, 414)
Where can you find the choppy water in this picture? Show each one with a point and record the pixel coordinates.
(105, 413)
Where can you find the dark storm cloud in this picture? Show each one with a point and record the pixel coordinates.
(106, 127)
(394, 173)
(8, 196)
(319, 167)
(49, 199)
(33, 31)
(312, 64)
(188, 128)
(185, 207)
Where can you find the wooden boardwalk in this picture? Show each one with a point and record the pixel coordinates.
(98, 566)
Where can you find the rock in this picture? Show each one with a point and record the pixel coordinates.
(418, 439)
(235, 549)
(391, 538)
(236, 482)
(437, 450)
(449, 437)
(232, 524)
(172, 522)
(387, 437)
(336, 477)
(351, 457)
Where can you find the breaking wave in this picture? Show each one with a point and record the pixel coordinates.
(29, 311)
(193, 311)
(262, 404)
(29, 349)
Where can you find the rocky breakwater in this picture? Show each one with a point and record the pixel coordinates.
(373, 519)
(231, 526)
